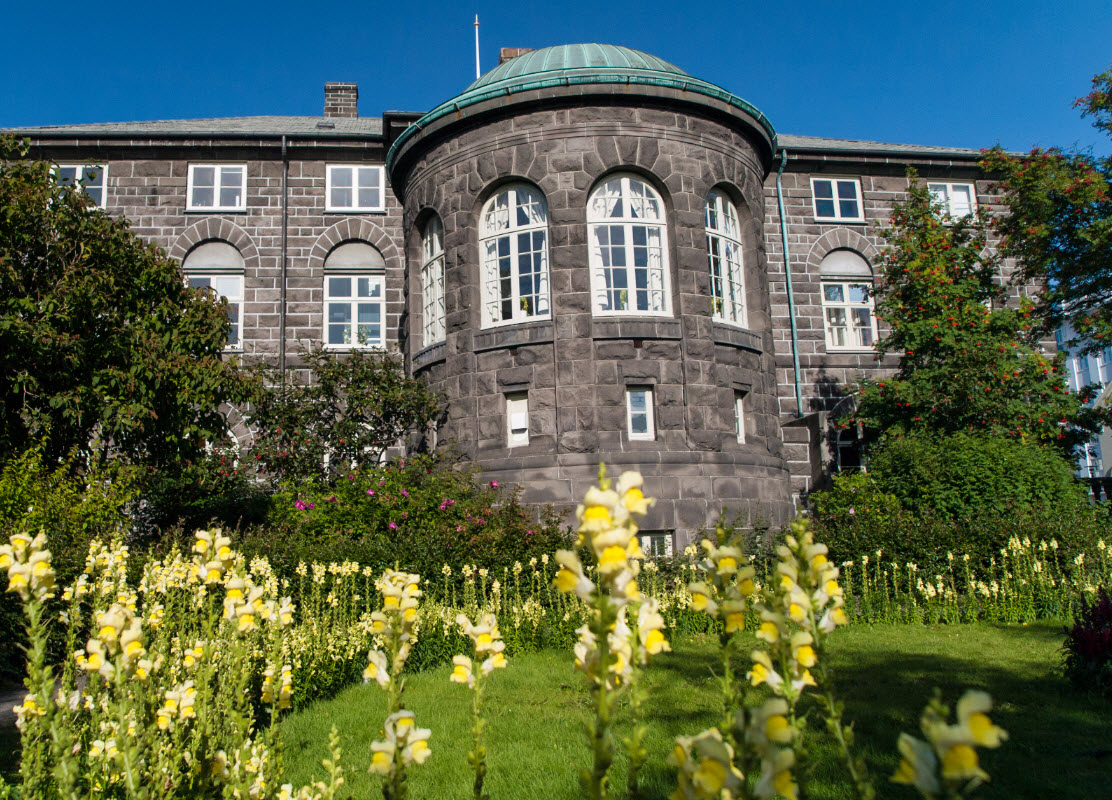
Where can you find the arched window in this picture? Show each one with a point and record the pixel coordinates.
(217, 267)
(514, 246)
(628, 248)
(727, 284)
(847, 300)
(355, 297)
(432, 281)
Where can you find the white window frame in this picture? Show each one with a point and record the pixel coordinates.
(836, 199)
(650, 423)
(854, 340)
(500, 237)
(942, 193)
(645, 539)
(432, 282)
(191, 205)
(726, 260)
(517, 419)
(643, 215)
(356, 169)
(739, 414)
(235, 303)
(352, 301)
(79, 176)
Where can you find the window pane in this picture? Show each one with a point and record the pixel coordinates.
(203, 196)
(204, 176)
(368, 198)
(824, 190)
(858, 293)
(341, 176)
(338, 334)
(833, 292)
(848, 209)
(961, 201)
(231, 176)
(339, 312)
(341, 197)
(230, 196)
(198, 282)
(67, 175)
(339, 287)
(824, 208)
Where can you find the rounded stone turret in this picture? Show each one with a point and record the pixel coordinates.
(587, 282)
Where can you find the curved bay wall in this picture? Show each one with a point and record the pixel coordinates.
(576, 367)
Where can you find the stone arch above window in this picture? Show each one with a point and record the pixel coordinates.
(844, 263)
(628, 247)
(355, 229)
(213, 256)
(216, 229)
(840, 239)
(513, 254)
(355, 256)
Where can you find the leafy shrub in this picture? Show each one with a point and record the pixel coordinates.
(1087, 651)
(959, 476)
(418, 514)
(71, 510)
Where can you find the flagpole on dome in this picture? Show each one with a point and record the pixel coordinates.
(477, 73)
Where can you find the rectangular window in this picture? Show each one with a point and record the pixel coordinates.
(848, 315)
(217, 187)
(93, 178)
(355, 311)
(837, 199)
(956, 199)
(656, 544)
(639, 412)
(352, 187)
(517, 419)
(230, 287)
(739, 415)
(1104, 359)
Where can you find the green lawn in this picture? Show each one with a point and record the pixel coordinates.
(1060, 746)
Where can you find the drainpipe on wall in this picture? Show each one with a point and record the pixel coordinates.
(788, 278)
(282, 288)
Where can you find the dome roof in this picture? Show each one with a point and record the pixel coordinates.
(576, 61)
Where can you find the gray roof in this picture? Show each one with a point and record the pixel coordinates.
(235, 126)
(372, 126)
(819, 144)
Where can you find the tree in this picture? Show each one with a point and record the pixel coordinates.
(355, 407)
(1059, 225)
(103, 349)
(969, 362)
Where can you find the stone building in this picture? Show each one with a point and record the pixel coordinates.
(584, 253)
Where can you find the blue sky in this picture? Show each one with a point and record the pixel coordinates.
(946, 73)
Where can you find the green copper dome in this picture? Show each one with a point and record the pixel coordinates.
(605, 66)
(573, 61)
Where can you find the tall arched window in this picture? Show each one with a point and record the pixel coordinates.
(432, 281)
(355, 297)
(847, 300)
(727, 284)
(513, 242)
(628, 248)
(217, 267)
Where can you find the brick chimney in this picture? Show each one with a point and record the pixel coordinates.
(506, 53)
(341, 100)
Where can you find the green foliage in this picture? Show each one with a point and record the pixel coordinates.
(420, 514)
(355, 407)
(968, 362)
(103, 349)
(71, 510)
(1059, 225)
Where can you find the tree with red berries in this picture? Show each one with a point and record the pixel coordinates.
(970, 358)
(1059, 226)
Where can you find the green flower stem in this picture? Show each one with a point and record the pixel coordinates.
(478, 754)
(601, 741)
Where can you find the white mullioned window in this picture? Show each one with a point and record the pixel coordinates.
(628, 244)
(956, 199)
(217, 187)
(92, 178)
(230, 287)
(517, 419)
(727, 283)
(355, 311)
(847, 301)
(656, 544)
(354, 187)
(639, 412)
(837, 199)
(432, 281)
(513, 243)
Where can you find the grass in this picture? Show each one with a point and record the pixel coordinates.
(1060, 745)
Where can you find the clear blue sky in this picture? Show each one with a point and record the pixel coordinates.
(946, 73)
